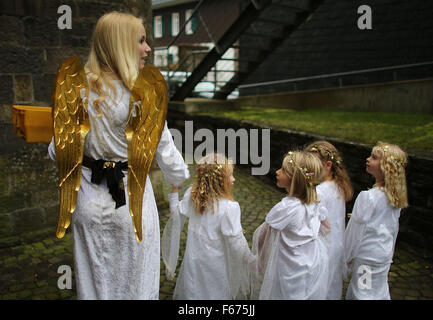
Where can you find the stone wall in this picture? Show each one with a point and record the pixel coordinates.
(331, 42)
(416, 222)
(32, 47)
(398, 96)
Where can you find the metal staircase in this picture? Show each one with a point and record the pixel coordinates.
(261, 27)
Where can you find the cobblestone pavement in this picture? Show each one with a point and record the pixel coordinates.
(30, 271)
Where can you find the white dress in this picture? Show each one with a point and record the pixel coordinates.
(109, 262)
(292, 261)
(370, 239)
(217, 256)
(330, 197)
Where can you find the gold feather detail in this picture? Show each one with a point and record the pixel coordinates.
(71, 125)
(147, 114)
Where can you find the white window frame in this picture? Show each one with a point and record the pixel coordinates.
(174, 52)
(160, 57)
(175, 23)
(158, 32)
(188, 27)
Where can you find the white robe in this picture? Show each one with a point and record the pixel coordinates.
(109, 262)
(292, 261)
(217, 256)
(370, 239)
(330, 197)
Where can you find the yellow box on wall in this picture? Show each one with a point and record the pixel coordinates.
(33, 123)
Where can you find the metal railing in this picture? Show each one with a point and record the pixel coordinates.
(339, 75)
(178, 72)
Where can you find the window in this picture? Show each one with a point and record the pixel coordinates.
(158, 27)
(173, 55)
(160, 57)
(191, 26)
(175, 24)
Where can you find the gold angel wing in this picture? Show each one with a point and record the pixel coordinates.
(71, 125)
(147, 113)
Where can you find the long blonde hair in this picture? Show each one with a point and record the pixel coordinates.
(212, 182)
(327, 152)
(304, 169)
(393, 161)
(114, 49)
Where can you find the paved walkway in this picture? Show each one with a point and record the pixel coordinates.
(30, 271)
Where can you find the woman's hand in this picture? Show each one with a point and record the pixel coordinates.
(174, 189)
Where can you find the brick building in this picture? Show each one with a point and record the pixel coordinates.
(203, 27)
(32, 46)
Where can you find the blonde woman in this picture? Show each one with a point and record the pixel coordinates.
(217, 256)
(372, 230)
(334, 191)
(292, 261)
(109, 262)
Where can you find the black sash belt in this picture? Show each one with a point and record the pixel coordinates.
(112, 171)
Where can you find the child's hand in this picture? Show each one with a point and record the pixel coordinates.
(325, 227)
(174, 189)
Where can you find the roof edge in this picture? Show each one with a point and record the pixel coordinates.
(160, 4)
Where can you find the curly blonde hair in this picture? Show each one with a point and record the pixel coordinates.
(212, 182)
(304, 169)
(326, 151)
(393, 161)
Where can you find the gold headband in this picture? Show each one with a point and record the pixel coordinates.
(214, 171)
(308, 175)
(385, 149)
(327, 154)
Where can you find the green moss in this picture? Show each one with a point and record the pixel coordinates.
(409, 130)
(25, 294)
(9, 296)
(13, 201)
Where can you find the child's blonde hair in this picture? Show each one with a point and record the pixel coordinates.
(304, 169)
(212, 182)
(114, 49)
(327, 152)
(393, 161)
